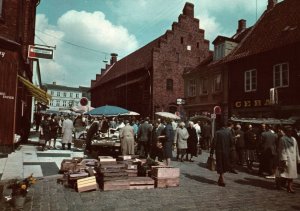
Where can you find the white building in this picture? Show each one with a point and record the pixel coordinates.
(65, 97)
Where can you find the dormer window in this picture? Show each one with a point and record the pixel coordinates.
(219, 51)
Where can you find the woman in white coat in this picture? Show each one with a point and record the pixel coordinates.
(180, 138)
(67, 130)
(288, 158)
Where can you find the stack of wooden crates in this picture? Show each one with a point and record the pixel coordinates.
(165, 177)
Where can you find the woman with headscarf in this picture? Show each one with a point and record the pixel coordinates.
(181, 136)
(288, 158)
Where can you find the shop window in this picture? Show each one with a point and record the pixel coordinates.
(169, 84)
(281, 75)
(250, 80)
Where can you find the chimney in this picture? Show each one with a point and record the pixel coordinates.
(271, 4)
(188, 9)
(113, 58)
(54, 83)
(241, 25)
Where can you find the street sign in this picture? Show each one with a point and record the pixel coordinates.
(180, 101)
(39, 53)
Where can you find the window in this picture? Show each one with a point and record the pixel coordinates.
(51, 103)
(58, 94)
(52, 92)
(198, 45)
(57, 103)
(219, 51)
(250, 80)
(65, 94)
(281, 75)
(64, 103)
(169, 85)
(181, 40)
(217, 83)
(192, 88)
(71, 94)
(1, 6)
(203, 86)
(77, 95)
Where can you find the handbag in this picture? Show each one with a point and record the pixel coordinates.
(211, 163)
(42, 140)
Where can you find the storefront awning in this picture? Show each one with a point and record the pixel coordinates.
(39, 94)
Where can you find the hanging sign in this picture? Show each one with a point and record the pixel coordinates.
(39, 53)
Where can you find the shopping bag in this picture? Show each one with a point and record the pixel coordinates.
(42, 140)
(211, 163)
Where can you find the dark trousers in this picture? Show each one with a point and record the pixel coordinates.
(156, 152)
(240, 155)
(69, 146)
(144, 148)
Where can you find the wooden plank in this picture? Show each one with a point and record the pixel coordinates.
(114, 174)
(114, 165)
(165, 172)
(166, 182)
(106, 159)
(141, 181)
(116, 185)
(141, 187)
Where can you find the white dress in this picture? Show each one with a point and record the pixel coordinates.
(67, 131)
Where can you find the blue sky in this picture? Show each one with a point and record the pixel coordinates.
(85, 32)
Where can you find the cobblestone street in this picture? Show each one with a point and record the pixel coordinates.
(198, 191)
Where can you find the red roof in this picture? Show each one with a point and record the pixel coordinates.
(277, 27)
(134, 61)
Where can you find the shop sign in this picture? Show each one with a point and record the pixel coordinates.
(252, 103)
(38, 52)
(4, 96)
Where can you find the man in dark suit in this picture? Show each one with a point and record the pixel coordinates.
(144, 135)
(221, 145)
(240, 144)
(268, 141)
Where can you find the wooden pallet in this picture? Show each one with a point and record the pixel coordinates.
(166, 182)
(87, 184)
(116, 185)
(141, 183)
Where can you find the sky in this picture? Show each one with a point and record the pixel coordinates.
(86, 32)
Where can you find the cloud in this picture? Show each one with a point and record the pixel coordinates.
(80, 38)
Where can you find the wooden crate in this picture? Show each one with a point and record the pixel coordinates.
(132, 172)
(166, 182)
(165, 172)
(104, 159)
(115, 185)
(141, 183)
(87, 184)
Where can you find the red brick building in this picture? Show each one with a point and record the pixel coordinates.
(268, 58)
(17, 25)
(150, 79)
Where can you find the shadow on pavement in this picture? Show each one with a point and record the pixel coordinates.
(257, 183)
(203, 165)
(200, 179)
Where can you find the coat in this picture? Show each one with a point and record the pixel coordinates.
(222, 144)
(180, 138)
(144, 132)
(192, 141)
(268, 140)
(127, 140)
(168, 143)
(240, 140)
(289, 153)
(67, 131)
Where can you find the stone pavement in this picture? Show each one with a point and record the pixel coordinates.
(198, 190)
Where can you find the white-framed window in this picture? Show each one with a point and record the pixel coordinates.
(217, 83)
(281, 75)
(58, 94)
(250, 80)
(64, 103)
(52, 93)
(203, 86)
(1, 7)
(65, 94)
(57, 103)
(192, 88)
(51, 103)
(77, 95)
(71, 94)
